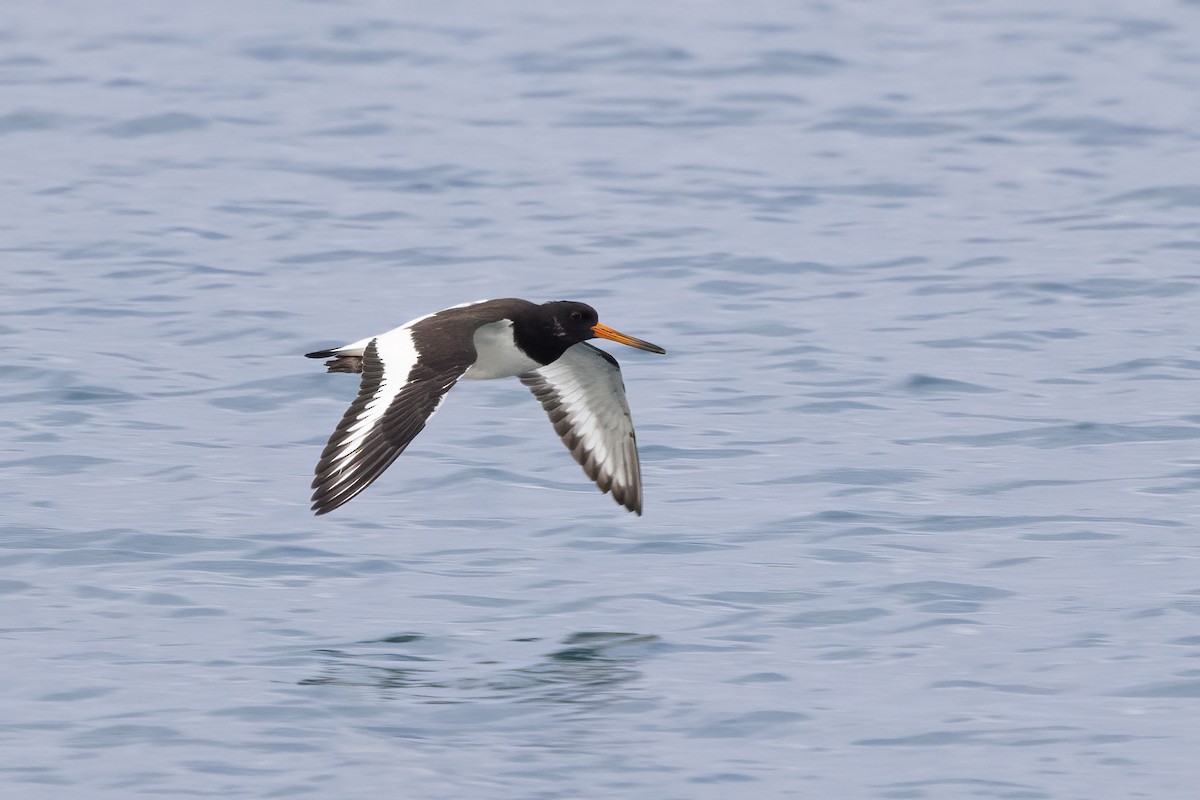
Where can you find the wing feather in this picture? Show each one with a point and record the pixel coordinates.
(397, 396)
(584, 396)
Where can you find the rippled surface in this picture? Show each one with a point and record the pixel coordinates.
(921, 466)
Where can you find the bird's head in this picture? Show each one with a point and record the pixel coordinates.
(577, 322)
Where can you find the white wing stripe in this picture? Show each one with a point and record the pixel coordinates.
(406, 373)
(398, 355)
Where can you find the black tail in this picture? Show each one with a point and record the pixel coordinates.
(338, 363)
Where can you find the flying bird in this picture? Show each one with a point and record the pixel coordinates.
(407, 372)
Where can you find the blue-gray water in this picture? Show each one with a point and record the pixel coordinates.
(922, 467)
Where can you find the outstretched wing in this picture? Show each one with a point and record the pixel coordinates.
(583, 394)
(398, 394)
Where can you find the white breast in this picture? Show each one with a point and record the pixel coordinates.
(497, 355)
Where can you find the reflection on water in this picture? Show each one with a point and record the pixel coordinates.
(591, 668)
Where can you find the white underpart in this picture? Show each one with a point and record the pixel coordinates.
(497, 354)
(398, 355)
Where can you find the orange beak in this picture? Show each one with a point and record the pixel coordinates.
(605, 332)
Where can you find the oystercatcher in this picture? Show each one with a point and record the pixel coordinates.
(407, 371)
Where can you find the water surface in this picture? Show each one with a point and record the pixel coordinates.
(921, 466)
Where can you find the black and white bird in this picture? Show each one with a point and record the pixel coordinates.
(407, 371)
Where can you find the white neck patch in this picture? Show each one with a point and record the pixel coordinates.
(497, 354)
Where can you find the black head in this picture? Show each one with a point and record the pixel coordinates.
(577, 322)
(570, 322)
(546, 333)
(562, 324)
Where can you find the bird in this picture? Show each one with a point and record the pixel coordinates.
(407, 371)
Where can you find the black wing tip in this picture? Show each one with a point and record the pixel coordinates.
(326, 498)
(627, 497)
(319, 354)
(322, 505)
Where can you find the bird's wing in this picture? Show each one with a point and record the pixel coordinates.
(398, 394)
(583, 394)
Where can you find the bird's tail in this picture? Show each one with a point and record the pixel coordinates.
(338, 363)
